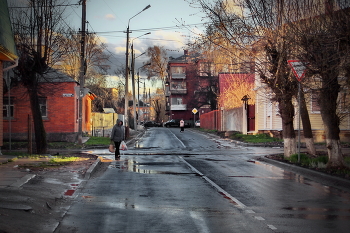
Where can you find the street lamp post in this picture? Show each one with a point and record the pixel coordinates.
(138, 87)
(133, 76)
(127, 72)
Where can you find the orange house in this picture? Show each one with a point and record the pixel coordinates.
(8, 54)
(59, 104)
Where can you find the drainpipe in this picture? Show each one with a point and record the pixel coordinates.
(9, 95)
(11, 67)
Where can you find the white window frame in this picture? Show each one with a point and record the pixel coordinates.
(43, 106)
(8, 108)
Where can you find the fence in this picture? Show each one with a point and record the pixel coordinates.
(211, 120)
(102, 123)
(224, 120)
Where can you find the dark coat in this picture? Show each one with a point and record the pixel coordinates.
(118, 132)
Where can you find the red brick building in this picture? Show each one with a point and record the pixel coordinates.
(58, 101)
(187, 87)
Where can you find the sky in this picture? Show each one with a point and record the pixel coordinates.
(109, 20)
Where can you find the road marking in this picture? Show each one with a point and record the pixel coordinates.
(178, 139)
(235, 200)
(250, 211)
(200, 222)
(220, 190)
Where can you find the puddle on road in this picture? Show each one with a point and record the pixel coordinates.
(317, 213)
(133, 166)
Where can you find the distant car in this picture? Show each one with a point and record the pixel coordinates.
(158, 124)
(149, 124)
(175, 123)
(172, 123)
(197, 123)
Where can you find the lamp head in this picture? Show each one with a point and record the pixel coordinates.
(146, 7)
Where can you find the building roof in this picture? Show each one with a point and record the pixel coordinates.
(187, 57)
(7, 42)
(55, 76)
(108, 110)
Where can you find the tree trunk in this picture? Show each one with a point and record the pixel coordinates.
(40, 134)
(328, 104)
(287, 115)
(308, 137)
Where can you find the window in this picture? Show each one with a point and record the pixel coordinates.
(8, 107)
(43, 106)
(177, 69)
(315, 107)
(176, 101)
(343, 102)
(178, 85)
(178, 72)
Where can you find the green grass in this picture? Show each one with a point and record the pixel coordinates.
(98, 141)
(55, 161)
(207, 130)
(258, 138)
(305, 160)
(63, 145)
(347, 161)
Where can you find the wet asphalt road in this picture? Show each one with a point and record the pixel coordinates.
(187, 182)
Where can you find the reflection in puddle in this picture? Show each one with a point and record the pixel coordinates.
(313, 213)
(133, 166)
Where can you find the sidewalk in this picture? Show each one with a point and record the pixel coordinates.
(12, 177)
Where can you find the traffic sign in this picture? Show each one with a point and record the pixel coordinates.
(194, 111)
(298, 69)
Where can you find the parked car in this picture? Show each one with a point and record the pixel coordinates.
(172, 123)
(158, 124)
(149, 124)
(197, 123)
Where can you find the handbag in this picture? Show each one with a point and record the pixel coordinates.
(123, 146)
(111, 148)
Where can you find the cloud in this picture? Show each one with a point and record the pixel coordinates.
(110, 17)
(102, 39)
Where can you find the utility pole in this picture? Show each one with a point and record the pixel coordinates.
(126, 123)
(82, 72)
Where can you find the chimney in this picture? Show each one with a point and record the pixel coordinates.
(185, 52)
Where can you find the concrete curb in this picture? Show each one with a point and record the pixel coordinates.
(320, 177)
(92, 169)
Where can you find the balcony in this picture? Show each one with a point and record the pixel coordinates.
(178, 88)
(178, 76)
(178, 107)
(179, 91)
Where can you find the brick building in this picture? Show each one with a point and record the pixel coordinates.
(59, 108)
(187, 87)
(8, 54)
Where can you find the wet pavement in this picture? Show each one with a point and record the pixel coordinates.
(189, 186)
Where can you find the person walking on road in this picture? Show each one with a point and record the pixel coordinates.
(182, 125)
(117, 136)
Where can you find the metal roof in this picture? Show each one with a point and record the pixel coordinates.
(7, 42)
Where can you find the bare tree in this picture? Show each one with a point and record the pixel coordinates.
(322, 34)
(158, 61)
(38, 33)
(250, 28)
(96, 57)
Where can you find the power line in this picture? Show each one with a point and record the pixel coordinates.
(113, 55)
(18, 7)
(154, 29)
